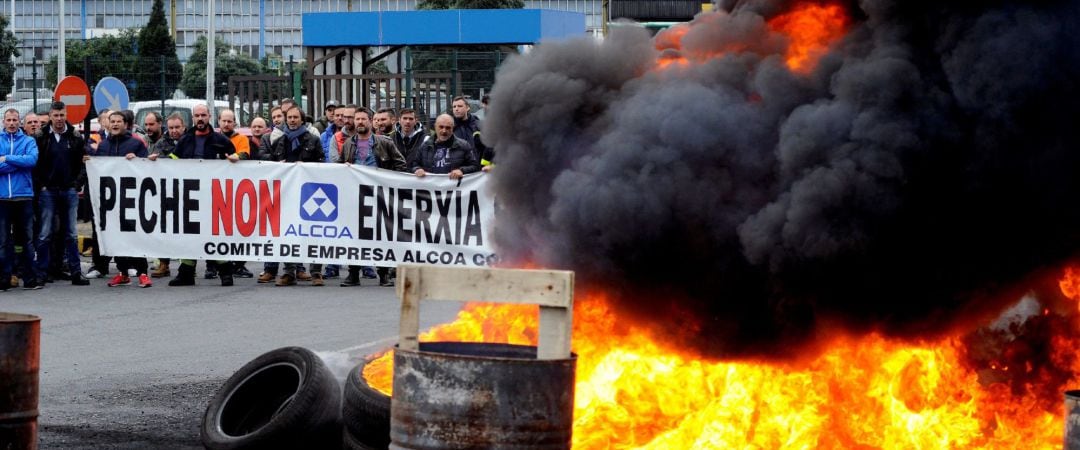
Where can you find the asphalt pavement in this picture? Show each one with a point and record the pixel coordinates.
(132, 368)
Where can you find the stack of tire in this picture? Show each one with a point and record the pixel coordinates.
(365, 413)
(287, 399)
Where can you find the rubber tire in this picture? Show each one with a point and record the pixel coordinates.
(285, 398)
(365, 412)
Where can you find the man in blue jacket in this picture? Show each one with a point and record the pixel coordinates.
(18, 156)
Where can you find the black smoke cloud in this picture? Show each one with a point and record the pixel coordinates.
(924, 169)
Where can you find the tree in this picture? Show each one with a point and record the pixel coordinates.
(227, 63)
(113, 56)
(156, 45)
(8, 44)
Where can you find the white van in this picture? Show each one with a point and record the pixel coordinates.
(184, 107)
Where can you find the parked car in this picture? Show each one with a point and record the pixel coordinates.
(28, 94)
(23, 106)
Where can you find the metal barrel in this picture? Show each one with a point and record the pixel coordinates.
(460, 395)
(1072, 420)
(20, 347)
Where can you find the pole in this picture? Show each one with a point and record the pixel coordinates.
(82, 18)
(262, 29)
(14, 73)
(211, 53)
(408, 78)
(294, 81)
(86, 76)
(61, 53)
(172, 19)
(162, 87)
(33, 69)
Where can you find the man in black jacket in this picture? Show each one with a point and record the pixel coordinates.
(295, 142)
(409, 133)
(446, 154)
(202, 142)
(59, 174)
(467, 126)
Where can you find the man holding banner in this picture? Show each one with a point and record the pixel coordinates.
(447, 154)
(369, 149)
(296, 143)
(120, 142)
(202, 142)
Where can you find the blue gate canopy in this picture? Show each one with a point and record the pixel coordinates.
(440, 27)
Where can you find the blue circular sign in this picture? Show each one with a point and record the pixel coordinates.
(110, 93)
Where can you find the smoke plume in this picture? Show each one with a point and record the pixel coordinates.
(916, 176)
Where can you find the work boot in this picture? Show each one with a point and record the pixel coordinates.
(286, 280)
(317, 280)
(302, 275)
(353, 279)
(225, 272)
(185, 276)
(267, 277)
(384, 278)
(161, 271)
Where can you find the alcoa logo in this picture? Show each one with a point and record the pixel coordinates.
(318, 202)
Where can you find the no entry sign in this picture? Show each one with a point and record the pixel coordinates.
(74, 92)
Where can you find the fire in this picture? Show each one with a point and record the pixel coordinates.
(811, 29)
(860, 392)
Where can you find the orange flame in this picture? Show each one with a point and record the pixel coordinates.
(868, 392)
(811, 29)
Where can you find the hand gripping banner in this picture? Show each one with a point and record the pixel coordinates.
(288, 212)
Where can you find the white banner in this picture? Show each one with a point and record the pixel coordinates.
(288, 212)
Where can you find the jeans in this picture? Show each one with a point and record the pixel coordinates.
(65, 204)
(20, 214)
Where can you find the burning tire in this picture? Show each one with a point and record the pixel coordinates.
(285, 398)
(366, 413)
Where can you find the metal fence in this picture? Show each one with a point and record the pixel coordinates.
(425, 79)
(35, 79)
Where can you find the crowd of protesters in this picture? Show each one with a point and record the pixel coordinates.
(43, 169)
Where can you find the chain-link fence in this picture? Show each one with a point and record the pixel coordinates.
(425, 79)
(146, 79)
(472, 68)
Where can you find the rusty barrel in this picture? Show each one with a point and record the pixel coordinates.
(459, 395)
(1072, 420)
(20, 345)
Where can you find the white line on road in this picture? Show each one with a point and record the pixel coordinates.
(384, 342)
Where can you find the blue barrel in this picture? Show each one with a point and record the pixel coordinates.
(459, 395)
(20, 348)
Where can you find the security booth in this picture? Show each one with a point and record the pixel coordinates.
(340, 52)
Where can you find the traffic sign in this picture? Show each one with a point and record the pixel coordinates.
(110, 93)
(74, 92)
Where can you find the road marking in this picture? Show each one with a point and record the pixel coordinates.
(384, 342)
